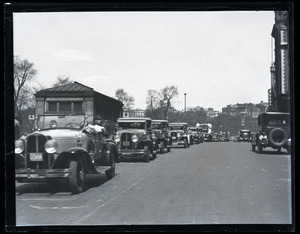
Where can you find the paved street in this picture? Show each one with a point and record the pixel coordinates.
(209, 183)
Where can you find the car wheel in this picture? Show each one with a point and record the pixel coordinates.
(77, 177)
(162, 148)
(110, 173)
(146, 154)
(260, 148)
(185, 144)
(278, 137)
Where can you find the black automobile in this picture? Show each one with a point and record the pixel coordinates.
(244, 135)
(274, 131)
(161, 130)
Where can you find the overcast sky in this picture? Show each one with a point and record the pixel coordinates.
(217, 58)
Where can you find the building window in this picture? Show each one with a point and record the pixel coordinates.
(52, 107)
(77, 107)
(65, 106)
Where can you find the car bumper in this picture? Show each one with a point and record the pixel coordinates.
(131, 153)
(39, 175)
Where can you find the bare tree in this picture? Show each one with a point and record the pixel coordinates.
(62, 80)
(167, 94)
(160, 102)
(23, 74)
(126, 99)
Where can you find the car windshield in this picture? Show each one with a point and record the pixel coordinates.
(176, 127)
(60, 121)
(156, 126)
(135, 125)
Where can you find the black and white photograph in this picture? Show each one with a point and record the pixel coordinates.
(128, 117)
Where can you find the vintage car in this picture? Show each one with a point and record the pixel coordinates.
(216, 137)
(161, 130)
(179, 134)
(135, 139)
(244, 135)
(195, 134)
(63, 149)
(274, 131)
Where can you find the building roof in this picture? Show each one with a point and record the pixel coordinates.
(75, 86)
(65, 90)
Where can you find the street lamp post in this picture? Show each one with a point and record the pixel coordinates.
(184, 102)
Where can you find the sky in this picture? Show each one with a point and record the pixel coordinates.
(217, 58)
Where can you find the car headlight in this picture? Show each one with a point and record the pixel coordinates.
(178, 134)
(19, 147)
(135, 138)
(51, 146)
(117, 138)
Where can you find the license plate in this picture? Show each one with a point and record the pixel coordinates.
(126, 143)
(37, 157)
(174, 138)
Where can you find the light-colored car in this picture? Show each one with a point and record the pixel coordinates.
(179, 134)
(135, 139)
(63, 148)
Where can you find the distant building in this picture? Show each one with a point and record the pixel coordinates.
(280, 74)
(211, 113)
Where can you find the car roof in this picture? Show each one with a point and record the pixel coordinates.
(159, 120)
(133, 119)
(177, 123)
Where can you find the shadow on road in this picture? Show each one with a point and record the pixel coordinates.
(270, 151)
(92, 180)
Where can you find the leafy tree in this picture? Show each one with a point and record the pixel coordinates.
(62, 80)
(126, 99)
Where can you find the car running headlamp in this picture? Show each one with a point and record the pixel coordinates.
(51, 146)
(135, 138)
(19, 146)
(117, 138)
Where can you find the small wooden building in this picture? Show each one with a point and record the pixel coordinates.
(77, 98)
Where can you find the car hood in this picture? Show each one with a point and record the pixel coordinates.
(60, 133)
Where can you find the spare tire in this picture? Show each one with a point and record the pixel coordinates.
(278, 137)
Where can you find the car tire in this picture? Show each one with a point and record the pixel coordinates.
(185, 144)
(146, 154)
(278, 137)
(162, 148)
(110, 173)
(77, 177)
(260, 149)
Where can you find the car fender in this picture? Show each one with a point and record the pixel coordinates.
(74, 153)
(111, 147)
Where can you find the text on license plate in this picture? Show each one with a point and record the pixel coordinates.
(125, 143)
(36, 157)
